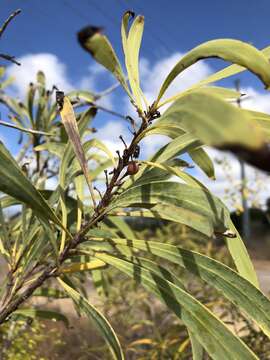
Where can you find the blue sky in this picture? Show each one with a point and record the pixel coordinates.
(44, 34)
(50, 26)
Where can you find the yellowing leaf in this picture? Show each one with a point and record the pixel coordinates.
(70, 123)
(92, 265)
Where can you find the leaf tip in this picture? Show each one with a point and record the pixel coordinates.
(87, 33)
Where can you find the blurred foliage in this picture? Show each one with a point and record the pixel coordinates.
(25, 339)
(146, 329)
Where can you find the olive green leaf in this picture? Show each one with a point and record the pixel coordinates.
(216, 338)
(98, 319)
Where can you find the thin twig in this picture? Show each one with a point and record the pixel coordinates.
(10, 58)
(19, 128)
(100, 107)
(108, 91)
(12, 16)
(109, 111)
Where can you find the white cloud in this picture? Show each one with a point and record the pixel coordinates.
(54, 69)
(56, 74)
(89, 79)
(256, 100)
(154, 75)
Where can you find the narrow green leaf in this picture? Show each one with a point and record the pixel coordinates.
(228, 71)
(43, 314)
(50, 293)
(224, 93)
(132, 50)
(30, 101)
(231, 50)
(97, 44)
(99, 320)
(85, 266)
(232, 285)
(201, 158)
(197, 349)
(216, 338)
(16, 184)
(122, 226)
(192, 206)
(82, 95)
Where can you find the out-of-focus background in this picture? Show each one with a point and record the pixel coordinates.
(43, 37)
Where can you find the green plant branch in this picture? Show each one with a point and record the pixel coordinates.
(51, 270)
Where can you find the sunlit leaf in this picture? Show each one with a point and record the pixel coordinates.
(235, 51)
(214, 121)
(97, 44)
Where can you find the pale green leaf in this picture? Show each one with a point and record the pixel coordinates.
(99, 47)
(228, 71)
(214, 121)
(235, 51)
(98, 319)
(201, 158)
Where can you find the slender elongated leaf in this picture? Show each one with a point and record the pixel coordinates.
(175, 204)
(226, 94)
(84, 266)
(216, 338)
(16, 184)
(132, 49)
(167, 129)
(97, 44)
(197, 349)
(122, 226)
(56, 148)
(237, 289)
(98, 319)
(98, 144)
(50, 293)
(228, 71)
(43, 314)
(192, 206)
(235, 51)
(201, 158)
(82, 95)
